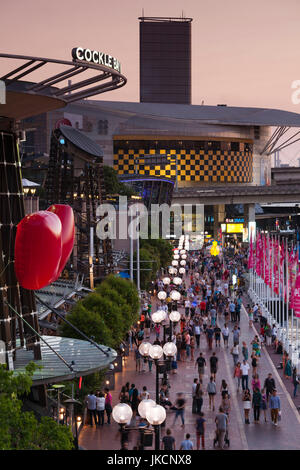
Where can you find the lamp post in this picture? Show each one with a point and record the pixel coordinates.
(174, 317)
(122, 414)
(156, 415)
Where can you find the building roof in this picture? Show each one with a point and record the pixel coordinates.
(222, 114)
(81, 141)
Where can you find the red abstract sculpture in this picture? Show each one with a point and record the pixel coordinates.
(44, 242)
(66, 215)
(38, 249)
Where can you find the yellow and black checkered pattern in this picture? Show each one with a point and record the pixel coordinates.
(192, 165)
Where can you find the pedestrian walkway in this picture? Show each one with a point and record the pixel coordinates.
(261, 436)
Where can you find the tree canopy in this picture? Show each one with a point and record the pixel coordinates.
(20, 430)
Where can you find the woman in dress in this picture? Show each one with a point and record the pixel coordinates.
(288, 368)
(247, 405)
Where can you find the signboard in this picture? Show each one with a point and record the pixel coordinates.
(96, 57)
(297, 297)
(234, 228)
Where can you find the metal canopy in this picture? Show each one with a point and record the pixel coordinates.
(85, 359)
(105, 78)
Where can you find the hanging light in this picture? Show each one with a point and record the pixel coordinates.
(156, 351)
(159, 316)
(162, 295)
(175, 263)
(166, 280)
(122, 413)
(176, 256)
(175, 295)
(144, 348)
(183, 256)
(174, 316)
(181, 270)
(144, 406)
(182, 262)
(170, 349)
(156, 415)
(177, 281)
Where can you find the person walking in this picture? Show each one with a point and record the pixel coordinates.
(199, 398)
(236, 334)
(295, 381)
(269, 385)
(288, 368)
(225, 334)
(168, 441)
(217, 331)
(247, 404)
(180, 406)
(254, 363)
(201, 363)
(194, 386)
(187, 443)
(235, 353)
(245, 372)
(213, 365)
(108, 404)
(245, 352)
(264, 405)
(275, 407)
(256, 403)
(221, 421)
(210, 335)
(211, 390)
(100, 407)
(200, 431)
(192, 347)
(197, 333)
(225, 403)
(255, 383)
(91, 408)
(238, 375)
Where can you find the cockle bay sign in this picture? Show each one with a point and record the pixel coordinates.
(96, 57)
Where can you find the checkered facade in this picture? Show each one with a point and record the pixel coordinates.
(193, 164)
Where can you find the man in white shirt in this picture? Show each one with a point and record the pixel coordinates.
(225, 333)
(245, 372)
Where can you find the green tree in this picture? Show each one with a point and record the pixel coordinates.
(113, 185)
(21, 430)
(89, 322)
(126, 289)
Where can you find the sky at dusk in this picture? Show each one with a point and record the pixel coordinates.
(244, 53)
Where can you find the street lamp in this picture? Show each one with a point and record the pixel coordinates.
(166, 280)
(175, 263)
(182, 270)
(174, 317)
(144, 348)
(156, 415)
(182, 252)
(175, 295)
(183, 256)
(162, 295)
(176, 256)
(159, 316)
(144, 406)
(182, 262)
(177, 281)
(172, 270)
(122, 414)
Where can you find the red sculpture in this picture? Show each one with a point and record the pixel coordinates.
(44, 242)
(66, 215)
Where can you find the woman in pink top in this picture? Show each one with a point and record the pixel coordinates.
(238, 374)
(255, 382)
(108, 404)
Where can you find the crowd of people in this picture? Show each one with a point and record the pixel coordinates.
(210, 320)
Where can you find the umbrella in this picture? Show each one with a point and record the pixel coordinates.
(124, 274)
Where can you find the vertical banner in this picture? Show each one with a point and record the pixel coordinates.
(276, 267)
(250, 256)
(297, 297)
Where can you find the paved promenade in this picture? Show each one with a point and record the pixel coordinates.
(262, 436)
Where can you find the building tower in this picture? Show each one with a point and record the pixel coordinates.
(165, 60)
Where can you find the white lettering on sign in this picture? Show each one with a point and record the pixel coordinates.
(96, 57)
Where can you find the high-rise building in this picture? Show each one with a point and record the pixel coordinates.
(165, 60)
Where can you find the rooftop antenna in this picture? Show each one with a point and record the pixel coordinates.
(143, 13)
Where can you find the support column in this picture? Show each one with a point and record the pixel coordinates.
(249, 218)
(219, 215)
